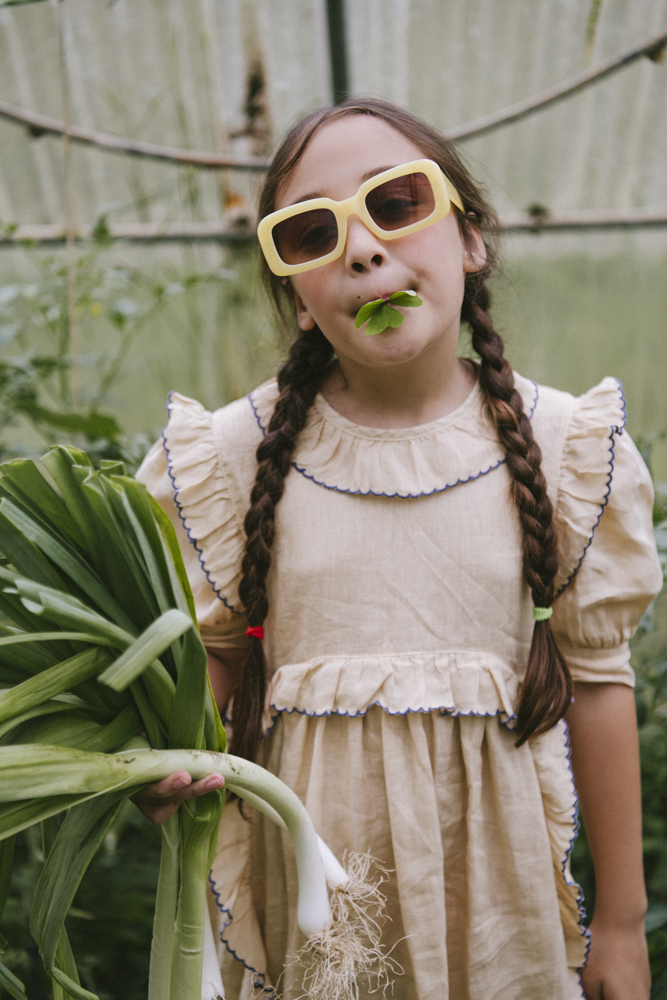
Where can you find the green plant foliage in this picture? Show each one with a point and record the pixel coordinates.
(381, 313)
(111, 920)
(59, 384)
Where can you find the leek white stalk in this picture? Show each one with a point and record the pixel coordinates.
(30, 772)
(166, 900)
(211, 980)
(334, 872)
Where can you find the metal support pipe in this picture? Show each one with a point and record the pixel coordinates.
(340, 85)
(222, 232)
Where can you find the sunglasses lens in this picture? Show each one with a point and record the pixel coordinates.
(306, 236)
(401, 202)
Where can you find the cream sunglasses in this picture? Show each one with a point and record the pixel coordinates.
(391, 204)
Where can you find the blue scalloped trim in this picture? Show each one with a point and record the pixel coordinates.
(441, 709)
(584, 931)
(191, 538)
(619, 386)
(256, 412)
(613, 431)
(398, 496)
(261, 977)
(393, 496)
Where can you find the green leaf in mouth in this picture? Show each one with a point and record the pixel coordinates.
(381, 312)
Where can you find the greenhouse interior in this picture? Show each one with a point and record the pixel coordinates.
(134, 141)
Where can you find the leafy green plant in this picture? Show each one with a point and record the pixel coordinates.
(104, 689)
(50, 385)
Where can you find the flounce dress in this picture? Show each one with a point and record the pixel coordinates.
(397, 637)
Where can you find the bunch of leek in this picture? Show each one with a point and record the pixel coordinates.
(104, 690)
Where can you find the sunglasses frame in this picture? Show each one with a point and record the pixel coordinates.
(444, 193)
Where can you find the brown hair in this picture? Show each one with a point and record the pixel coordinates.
(547, 687)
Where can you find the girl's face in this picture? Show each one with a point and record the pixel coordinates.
(432, 262)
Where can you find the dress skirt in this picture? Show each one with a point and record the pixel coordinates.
(474, 836)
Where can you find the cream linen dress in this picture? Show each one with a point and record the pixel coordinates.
(397, 637)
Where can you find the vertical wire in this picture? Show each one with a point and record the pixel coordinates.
(71, 386)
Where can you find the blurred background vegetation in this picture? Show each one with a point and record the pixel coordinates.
(94, 332)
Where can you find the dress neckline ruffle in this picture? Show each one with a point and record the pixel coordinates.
(403, 463)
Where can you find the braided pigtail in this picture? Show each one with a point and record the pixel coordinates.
(547, 687)
(299, 382)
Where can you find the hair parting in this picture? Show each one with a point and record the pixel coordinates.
(547, 687)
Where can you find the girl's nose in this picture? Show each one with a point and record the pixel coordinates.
(363, 250)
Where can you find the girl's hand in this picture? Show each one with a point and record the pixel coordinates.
(160, 800)
(618, 966)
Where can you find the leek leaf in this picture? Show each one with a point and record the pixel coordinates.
(6, 862)
(32, 659)
(175, 560)
(24, 555)
(71, 988)
(79, 732)
(80, 834)
(187, 724)
(15, 817)
(29, 485)
(150, 644)
(51, 682)
(65, 964)
(154, 724)
(17, 637)
(39, 710)
(11, 984)
(161, 691)
(66, 558)
(137, 505)
(124, 566)
(71, 612)
(59, 464)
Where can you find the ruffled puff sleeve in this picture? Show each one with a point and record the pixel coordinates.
(183, 473)
(610, 570)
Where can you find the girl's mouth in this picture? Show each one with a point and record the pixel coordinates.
(385, 297)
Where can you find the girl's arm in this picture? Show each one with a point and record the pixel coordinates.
(223, 666)
(160, 800)
(605, 760)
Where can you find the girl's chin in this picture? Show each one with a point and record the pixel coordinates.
(399, 342)
(392, 352)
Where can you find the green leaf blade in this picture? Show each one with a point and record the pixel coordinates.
(385, 317)
(51, 682)
(407, 299)
(366, 311)
(148, 647)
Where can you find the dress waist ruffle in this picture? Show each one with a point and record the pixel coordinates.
(451, 682)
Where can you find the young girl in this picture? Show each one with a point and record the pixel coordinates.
(408, 568)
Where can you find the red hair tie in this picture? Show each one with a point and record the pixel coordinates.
(255, 632)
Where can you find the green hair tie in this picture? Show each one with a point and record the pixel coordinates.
(542, 614)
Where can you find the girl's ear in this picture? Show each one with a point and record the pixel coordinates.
(474, 251)
(303, 316)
